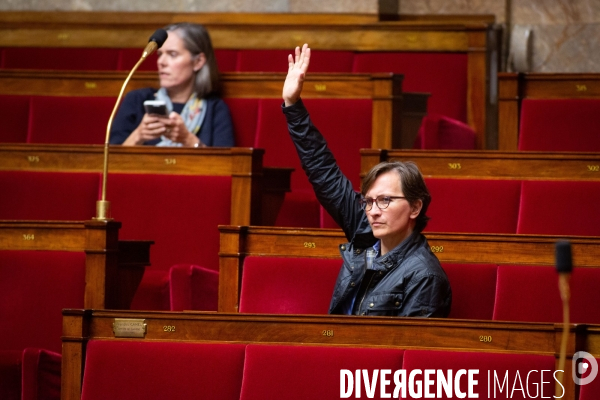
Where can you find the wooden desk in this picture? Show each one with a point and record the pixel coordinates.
(113, 268)
(491, 165)
(237, 242)
(80, 326)
(513, 88)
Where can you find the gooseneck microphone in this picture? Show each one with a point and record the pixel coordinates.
(564, 266)
(155, 42)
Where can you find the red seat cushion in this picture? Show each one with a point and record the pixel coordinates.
(69, 120)
(440, 132)
(277, 285)
(33, 195)
(560, 208)
(498, 363)
(61, 58)
(473, 290)
(559, 125)
(473, 205)
(155, 370)
(15, 118)
(36, 286)
(531, 294)
(193, 287)
(276, 60)
(310, 372)
(444, 75)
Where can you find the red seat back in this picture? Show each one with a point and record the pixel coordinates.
(154, 370)
(129, 57)
(277, 285)
(226, 59)
(15, 118)
(590, 391)
(244, 116)
(531, 294)
(33, 195)
(473, 205)
(560, 208)
(473, 290)
(559, 125)
(69, 120)
(440, 132)
(61, 58)
(193, 287)
(309, 372)
(277, 60)
(444, 75)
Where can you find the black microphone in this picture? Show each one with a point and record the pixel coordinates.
(155, 42)
(564, 266)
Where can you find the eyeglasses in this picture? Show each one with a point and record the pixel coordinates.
(382, 202)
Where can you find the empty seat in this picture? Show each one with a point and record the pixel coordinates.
(35, 287)
(531, 294)
(276, 60)
(345, 124)
(193, 287)
(15, 118)
(278, 285)
(559, 125)
(61, 58)
(440, 132)
(515, 367)
(473, 205)
(31, 195)
(180, 213)
(444, 75)
(473, 290)
(560, 208)
(309, 372)
(152, 370)
(69, 120)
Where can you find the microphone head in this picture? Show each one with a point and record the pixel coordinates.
(564, 261)
(159, 37)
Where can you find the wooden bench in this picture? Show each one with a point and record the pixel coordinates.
(83, 326)
(465, 36)
(514, 88)
(492, 165)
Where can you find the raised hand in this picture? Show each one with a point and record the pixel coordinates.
(294, 80)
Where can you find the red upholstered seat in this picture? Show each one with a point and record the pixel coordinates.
(69, 120)
(61, 58)
(560, 208)
(591, 391)
(440, 132)
(33, 195)
(41, 375)
(501, 363)
(444, 75)
(473, 205)
(559, 125)
(530, 293)
(309, 372)
(473, 290)
(277, 285)
(193, 287)
(35, 287)
(244, 115)
(15, 118)
(162, 370)
(345, 124)
(180, 213)
(129, 57)
(226, 59)
(276, 61)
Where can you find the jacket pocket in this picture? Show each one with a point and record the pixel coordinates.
(383, 304)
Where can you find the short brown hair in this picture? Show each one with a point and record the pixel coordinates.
(412, 184)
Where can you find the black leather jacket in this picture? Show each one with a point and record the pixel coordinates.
(407, 281)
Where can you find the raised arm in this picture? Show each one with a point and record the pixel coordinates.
(298, 66)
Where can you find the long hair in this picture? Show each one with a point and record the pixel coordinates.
(197, 40)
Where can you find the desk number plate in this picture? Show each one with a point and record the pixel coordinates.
(128, 327)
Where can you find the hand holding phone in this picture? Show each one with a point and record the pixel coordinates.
(156, 107)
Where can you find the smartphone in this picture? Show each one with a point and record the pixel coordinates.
(157, 107)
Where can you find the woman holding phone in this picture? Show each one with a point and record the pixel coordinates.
(193, 114)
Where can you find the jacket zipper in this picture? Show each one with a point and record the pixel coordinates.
(365, 294)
